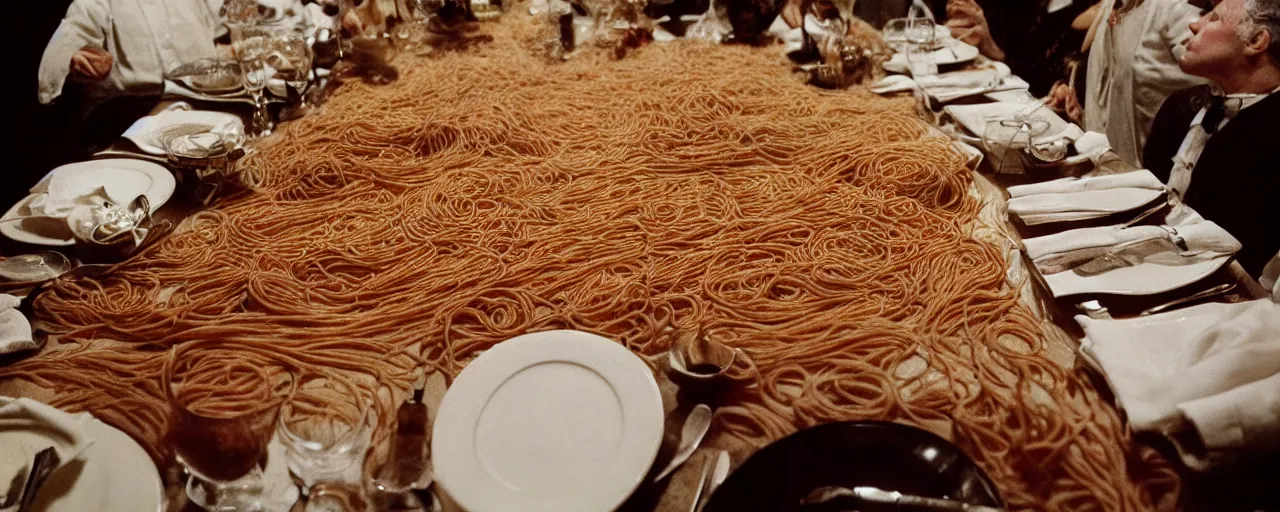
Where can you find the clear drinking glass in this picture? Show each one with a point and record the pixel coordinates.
(252, 46)
(291, 59)
(1005, 139)
(325, 428)
(919, 34)
(222, 410)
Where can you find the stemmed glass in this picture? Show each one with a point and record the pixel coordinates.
(222, 412)
(919, 35)
(291, 59)
(252, 46)
(325, 428)
(601, 11)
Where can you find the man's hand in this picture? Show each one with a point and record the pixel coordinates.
(1062, 99)
(91, 64)
(793, 13)
(969, 24)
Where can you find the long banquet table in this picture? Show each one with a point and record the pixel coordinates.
(1060, 334)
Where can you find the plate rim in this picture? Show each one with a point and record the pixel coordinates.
(98, 431)
(461, 473)
(1054, 283)
(882, 424)
(163, 186)
(13, 231)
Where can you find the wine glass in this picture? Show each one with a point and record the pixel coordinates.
(222, 410)
(325, 428)
(252, 47)
(919, 35)
(291, 59)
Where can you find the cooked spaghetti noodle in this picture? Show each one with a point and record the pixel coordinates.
(488, 194)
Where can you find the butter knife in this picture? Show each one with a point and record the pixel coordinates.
(718, 475)
(45, 462)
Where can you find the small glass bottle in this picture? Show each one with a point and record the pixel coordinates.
(407, 467)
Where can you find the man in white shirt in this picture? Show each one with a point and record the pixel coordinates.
(1133, 67)
(124, 47)
(1215, 145)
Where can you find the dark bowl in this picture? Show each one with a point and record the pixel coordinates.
(890, 456)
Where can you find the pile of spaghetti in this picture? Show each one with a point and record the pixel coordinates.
(688, 187)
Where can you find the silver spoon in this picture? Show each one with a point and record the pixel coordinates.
(39, 266)
(827, 494)
(695, 427)
(1203, 294)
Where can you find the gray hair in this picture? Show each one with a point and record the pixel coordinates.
(1262, 15)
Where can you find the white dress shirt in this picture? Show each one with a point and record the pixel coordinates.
(1193, 145)
(1133, 68)
(145, 38)
(1271, 277)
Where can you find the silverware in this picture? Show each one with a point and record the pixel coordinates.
(1203, 294)
(695, 427)
(823, 495)
(702, 485)
(1094, 309)
(1149, 212)
(718, 476)
(37, 266)
(45, 462)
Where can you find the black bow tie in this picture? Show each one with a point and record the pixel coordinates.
(1213, 116)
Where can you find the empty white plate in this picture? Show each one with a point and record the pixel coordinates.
(122, 179)
(1142, 279)
(551, 421)
(114, 474)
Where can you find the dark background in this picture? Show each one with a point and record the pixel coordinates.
(33, 137)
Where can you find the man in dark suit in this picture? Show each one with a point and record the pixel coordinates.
(1215, 145)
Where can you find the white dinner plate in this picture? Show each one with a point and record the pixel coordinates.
(953, 52)
(1141, 279)
(553, 421)
(122, 179)
(114, 474)
(145, 133)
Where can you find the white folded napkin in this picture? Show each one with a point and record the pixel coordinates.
(946, 87)
(60, 203)
(1091, 146)
(1088, 204)
(1215, 367)
(31, 427)
(15, 330)
(1270, 279)
(1053, 246)
(146, 133)
(1136, 179)
(1096, 250)
(973, 118)
(980, 77)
